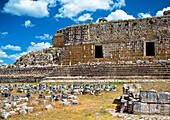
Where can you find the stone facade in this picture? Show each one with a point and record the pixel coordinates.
(115, 41)
(127, 50)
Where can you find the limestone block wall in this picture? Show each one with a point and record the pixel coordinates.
(152, 102)
(120, 40)
(31, 74)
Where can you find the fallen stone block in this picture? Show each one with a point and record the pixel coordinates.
(7, 106)
(12, 112)
(67, 103)
(64, 100)
(48, 106)
(130, 107)
(154, 108)
(72, 97)
(140, 108)
(15, 98)
(24, 99)
(22, 111)
(148, 96)
(74, 101)
(30, 109)
(2, 110)
(165, 109)
(5, 115)
(137, 86)
(164, 97)
(13, 104)
(152, 96)
(5, 94)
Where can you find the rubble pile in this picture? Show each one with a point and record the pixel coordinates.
(23, 98)
(137, 101)
(41, 57)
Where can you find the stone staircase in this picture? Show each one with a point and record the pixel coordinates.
(110, 72)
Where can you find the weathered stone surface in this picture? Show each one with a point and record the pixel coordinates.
(165, 109)
(40, 58)
(152, 96)
(164, 97)
(67, 103)
(48, 106)
(149, 96)
(119, 40)
(6, 115)
(140, 108)
(154, 108)
(23, 111)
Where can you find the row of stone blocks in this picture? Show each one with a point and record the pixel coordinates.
(113, 71)
(150, 108)
(151, 102)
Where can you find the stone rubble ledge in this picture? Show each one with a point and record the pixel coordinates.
(100, 79)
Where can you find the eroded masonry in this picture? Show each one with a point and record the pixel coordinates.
(125, 51)
(115, 41)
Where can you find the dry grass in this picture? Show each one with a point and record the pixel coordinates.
(156, 86)
(90, 107)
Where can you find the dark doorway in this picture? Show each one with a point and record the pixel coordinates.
(150, 49)
(98, 52)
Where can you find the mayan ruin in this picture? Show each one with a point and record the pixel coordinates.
(126, 50)
(88, 60)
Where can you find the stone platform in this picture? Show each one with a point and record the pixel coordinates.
(92, 72)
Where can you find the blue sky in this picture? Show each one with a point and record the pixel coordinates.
(27, 25)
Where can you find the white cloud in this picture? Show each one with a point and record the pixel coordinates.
(23, 53)
(44, 37)
(38, 46)
(144, 15)
(16, 56)
(1, 61)
(160, 12)
(4, 33)
(119, 15)
(32, 47)
(3, 54)
(85, 17)
(119, 4)
(28, 24)
(11, 47)
(71, 8)
(31, 8)
(51, 3)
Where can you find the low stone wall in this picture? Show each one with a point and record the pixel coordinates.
(23, 79)
(152, 102)
(26, 70)
(31, 74)
(137, 101)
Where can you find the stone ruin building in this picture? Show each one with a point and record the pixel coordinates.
(115, 41)
(137, 49)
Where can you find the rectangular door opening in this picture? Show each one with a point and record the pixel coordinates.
(150, 48)
(98, 52)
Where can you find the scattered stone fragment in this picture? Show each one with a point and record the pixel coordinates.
(5, 115)
(23, 111)
(48, 106)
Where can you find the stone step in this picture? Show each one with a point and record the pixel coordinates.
(105, 79)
